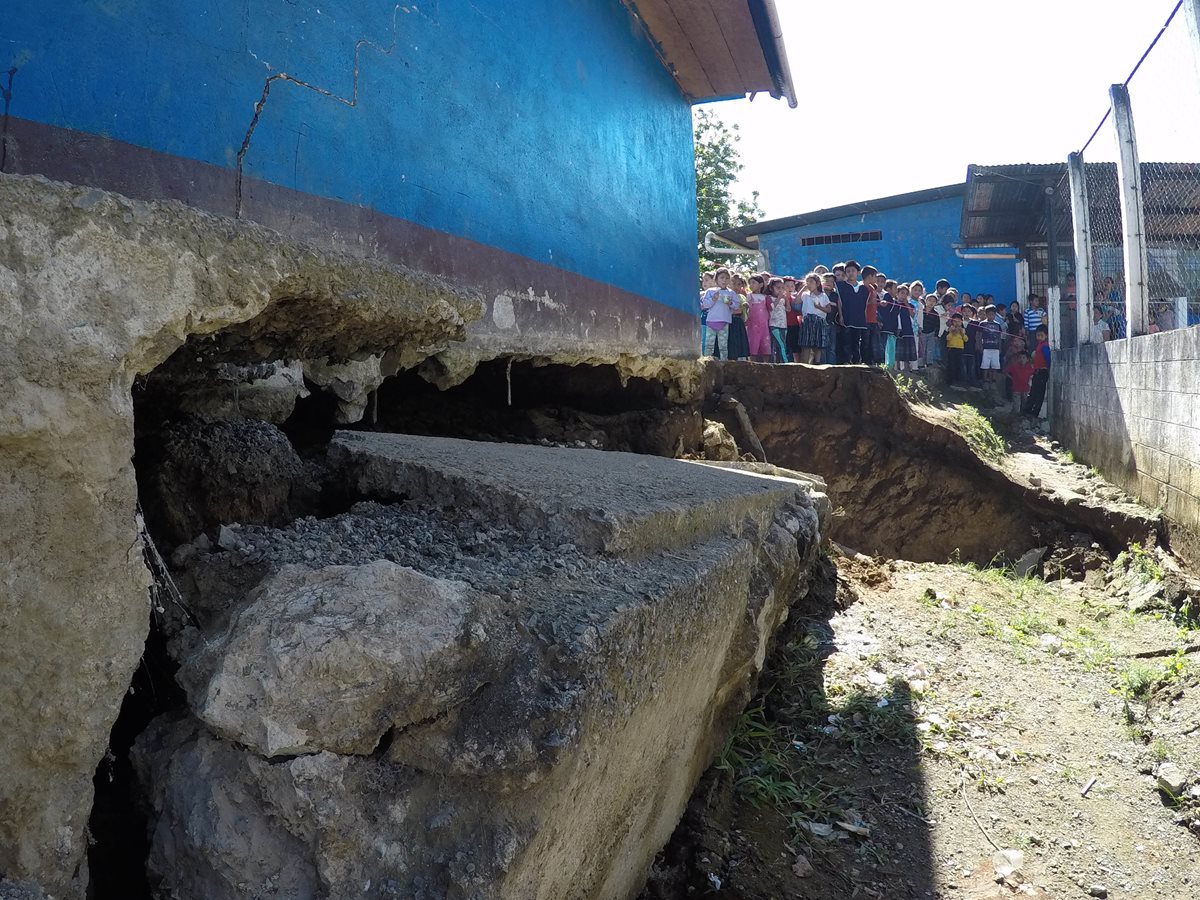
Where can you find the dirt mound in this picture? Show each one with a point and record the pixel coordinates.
(909, 481)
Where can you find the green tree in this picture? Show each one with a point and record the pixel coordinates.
(718, 164)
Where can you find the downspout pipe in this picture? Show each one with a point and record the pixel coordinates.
(961, 253)
(732, 250)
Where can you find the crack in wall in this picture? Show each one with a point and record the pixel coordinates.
(6, 96)
(351, 101)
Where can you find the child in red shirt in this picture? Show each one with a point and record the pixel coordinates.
(1020, 371)
(1041, 376)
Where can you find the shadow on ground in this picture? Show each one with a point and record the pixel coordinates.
(819, 793)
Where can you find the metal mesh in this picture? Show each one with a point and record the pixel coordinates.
(1164, 94)
(1108, 288)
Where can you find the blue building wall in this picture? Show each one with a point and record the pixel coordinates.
(545, 129)
(917, 244)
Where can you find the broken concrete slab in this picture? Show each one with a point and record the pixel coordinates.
(623, 614)
(97, 290)
(629, 504)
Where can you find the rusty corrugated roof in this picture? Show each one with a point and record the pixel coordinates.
(1007, 203)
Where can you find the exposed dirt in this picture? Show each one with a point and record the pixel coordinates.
(1006, 700)
(916, 480)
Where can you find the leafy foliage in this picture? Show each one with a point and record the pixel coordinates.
(718, 164)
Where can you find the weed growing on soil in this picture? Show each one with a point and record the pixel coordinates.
(979, 433)
(1139, 680)
(911, 389)
(1139, 561)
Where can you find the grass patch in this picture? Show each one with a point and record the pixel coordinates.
(786, 750)
(979, 433)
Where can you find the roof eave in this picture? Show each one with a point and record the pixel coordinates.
(770, 37)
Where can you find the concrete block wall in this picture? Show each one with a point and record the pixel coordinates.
(1131, 408)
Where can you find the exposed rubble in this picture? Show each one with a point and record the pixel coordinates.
(485, 684)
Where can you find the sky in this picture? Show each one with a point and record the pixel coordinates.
(943, 83)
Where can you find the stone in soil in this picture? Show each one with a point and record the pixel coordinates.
(1172, 779)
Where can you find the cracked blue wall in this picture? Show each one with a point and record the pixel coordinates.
(917, 244)
(546, 129)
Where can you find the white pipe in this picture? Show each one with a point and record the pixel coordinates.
(725, 251)
(958, 251)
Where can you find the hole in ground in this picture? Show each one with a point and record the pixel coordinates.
(118, 825)
(558, 404)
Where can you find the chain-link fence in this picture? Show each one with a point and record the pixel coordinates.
(1142, 228)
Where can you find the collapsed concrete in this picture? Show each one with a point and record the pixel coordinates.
(499, 676)
(412, 666)
(98, 290)
(536, 699)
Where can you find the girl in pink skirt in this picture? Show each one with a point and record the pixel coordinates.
(758, 320)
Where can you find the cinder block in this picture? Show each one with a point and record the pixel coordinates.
(1185, 475)
(1181, 507)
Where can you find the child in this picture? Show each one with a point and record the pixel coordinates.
(777, 320)
(916, 300)
(873, 352)
(889, 320)
(1020, 371)
(833, 320)
(853, 299)
(757, 312)
(991, 335)
(707, 281)
(956, 341)
(970, 358)
(814, 307)
(1041, 376)
(717, 302)
(906, 339)
(738, 341)
(794, 306)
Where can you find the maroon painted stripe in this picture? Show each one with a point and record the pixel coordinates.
(585, 313)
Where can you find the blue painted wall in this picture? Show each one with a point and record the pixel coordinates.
(545, 128)
(917, 244)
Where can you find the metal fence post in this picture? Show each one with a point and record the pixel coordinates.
(1053, 314)
(1053, 291)
(1191, 10)
(1084, 284)
(1133, 224)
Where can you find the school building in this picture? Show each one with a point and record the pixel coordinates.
(916, 235)
(531, 149)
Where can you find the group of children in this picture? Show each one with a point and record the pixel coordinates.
(851, 314)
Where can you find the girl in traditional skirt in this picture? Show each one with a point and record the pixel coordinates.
(739, 343)
(814, 308)
(833, 320)
(906, 341)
